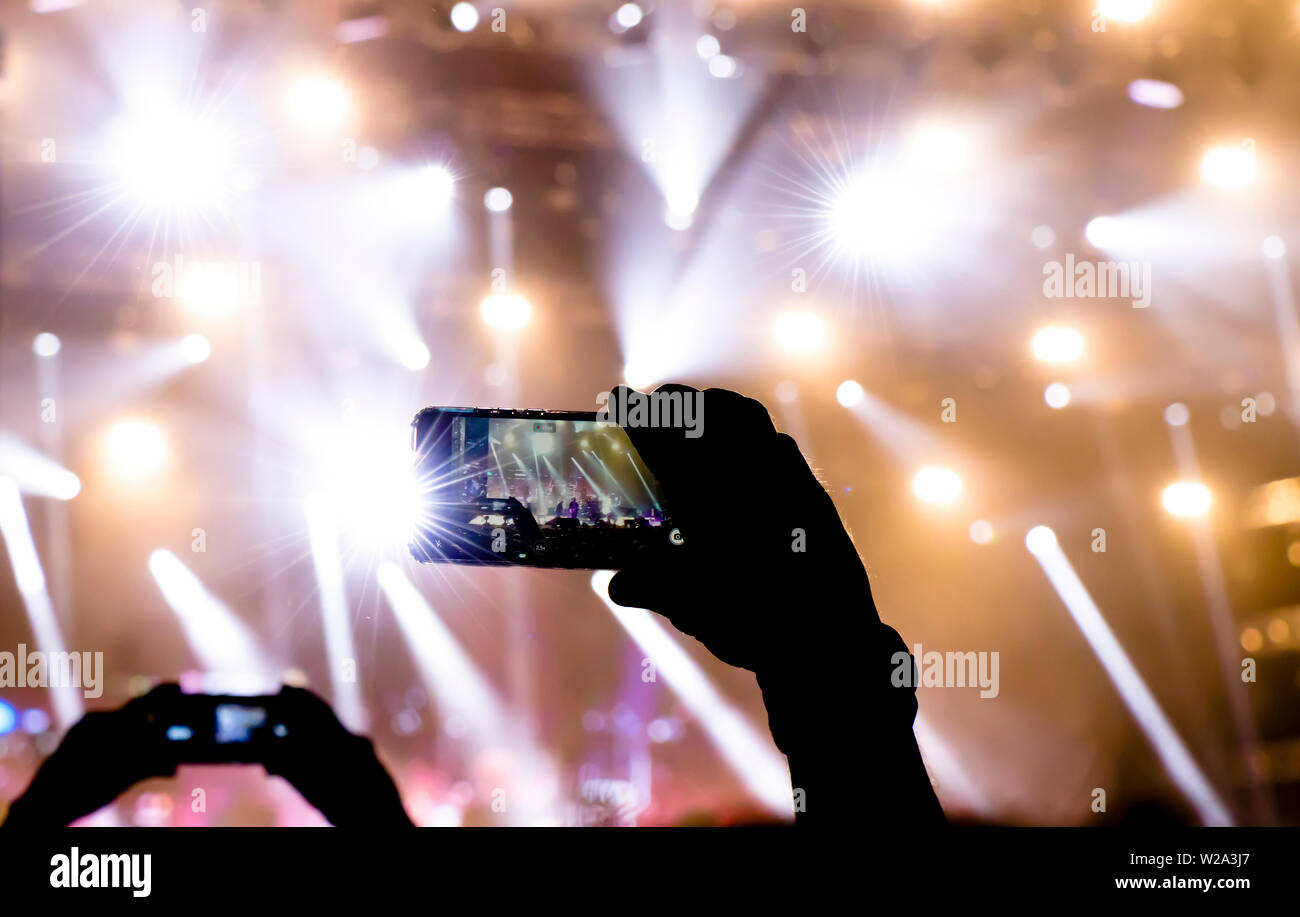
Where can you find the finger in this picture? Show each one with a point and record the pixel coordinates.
(671, 593)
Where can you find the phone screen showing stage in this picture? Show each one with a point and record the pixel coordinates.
(545, 491)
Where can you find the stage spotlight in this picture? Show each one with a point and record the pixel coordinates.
(46, 344)
(937, 485)
(1057, 345)
(940, 147)
(1230, 167)
(1273, 248)
(367, 473)
(30, 580)
(639, 376)
(413, 354)
(679, 208)
(1124, 10)
(219, 639)
(340, 648)
(1040, 540)
(981, 531)
(878, 216)
(1057, 395)
(26, 563)
(1155, 94)
(1177, 415)
(195, 348)
(799, 332)
(506, 311)
(849, 393)
(209, 288)
(438, 182)
(498, 200)
(1186, 499)
(464, 17)
(317, 102)
(749, 752)
(35, 473)
(136, 449)
(628, 16)
(707, 46)
(1103, 232)
(168, 159)
(1137, 697)
(723, 66)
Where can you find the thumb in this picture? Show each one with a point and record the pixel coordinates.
(671, 590)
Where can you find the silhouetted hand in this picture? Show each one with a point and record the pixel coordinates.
(102, 756)
(334, 770)
(108, 752)
(768, 579)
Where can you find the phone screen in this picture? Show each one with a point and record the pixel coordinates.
(535, 488)
(237, 723)
(205, 728)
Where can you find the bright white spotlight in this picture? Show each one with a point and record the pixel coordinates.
(937, 146)
(464, 17)
(462, 691)
(1057, 345)
(751, 754)
(1040, 540)
(1186, 499)
(28, 575)
(1104, 232)
(367, 474)
(981, 531)
(220, 641)
(723, 66)
(799, 332)
(1229, 167)
(1057, 396)
(639, 375)
(707, 46)
(30, 579)
(506, 311)
(1124, 10)
(413, 354)
(136, 449)
(195, 348)
(340, 648)
(1273, 248)
(1177, 414)
(849, 393)
(46, 344)
(679, 208)
(438, 182)
(35, 473)
(628, 15)
(498, 200)
(318, 102)
(1155, 94)
(1177, 760)
(213, 289)
(171, 160)
(882, 216)
(936, 485)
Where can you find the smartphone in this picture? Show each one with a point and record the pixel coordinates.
(219, 729)
(533, 488)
